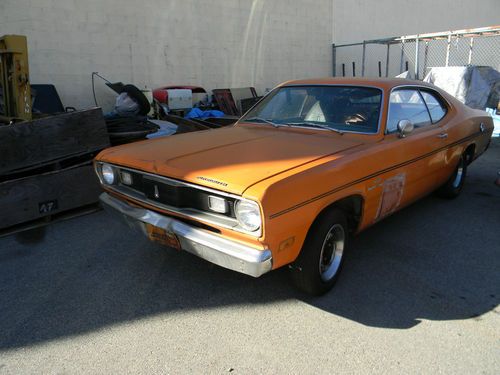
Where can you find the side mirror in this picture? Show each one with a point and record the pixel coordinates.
(405, 127)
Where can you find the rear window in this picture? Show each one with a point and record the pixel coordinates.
(436, 108)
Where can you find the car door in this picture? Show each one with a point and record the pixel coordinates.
(417, 158)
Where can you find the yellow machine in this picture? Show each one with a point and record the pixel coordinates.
(15, 102)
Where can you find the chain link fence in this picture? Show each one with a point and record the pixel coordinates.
(418, 53)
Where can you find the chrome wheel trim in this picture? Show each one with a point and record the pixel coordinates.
(459, 174)
(331, 252)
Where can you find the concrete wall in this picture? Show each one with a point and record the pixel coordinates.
(212, 43)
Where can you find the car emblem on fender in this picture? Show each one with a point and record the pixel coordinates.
(156, 193)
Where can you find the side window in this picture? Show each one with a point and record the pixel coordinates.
(435, 106)
(406, 104)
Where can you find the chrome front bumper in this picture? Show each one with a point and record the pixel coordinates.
(202, 243)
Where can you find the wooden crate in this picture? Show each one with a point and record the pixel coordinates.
(47, 194)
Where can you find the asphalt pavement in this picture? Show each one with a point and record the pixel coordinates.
(419, 293)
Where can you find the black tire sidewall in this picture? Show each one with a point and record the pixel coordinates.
(306, 268)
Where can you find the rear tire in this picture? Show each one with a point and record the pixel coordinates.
(452, 188)
(320, 261)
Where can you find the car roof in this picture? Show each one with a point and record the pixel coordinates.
(383, 83)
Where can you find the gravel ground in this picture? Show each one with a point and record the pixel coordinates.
(419, 293)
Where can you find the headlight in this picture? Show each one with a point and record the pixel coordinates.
(108, 174)
(248, 215)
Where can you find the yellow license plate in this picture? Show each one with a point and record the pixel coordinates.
(163, 237)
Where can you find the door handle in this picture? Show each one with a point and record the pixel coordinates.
(443, 135)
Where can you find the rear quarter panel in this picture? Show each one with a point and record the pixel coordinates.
(467, 128)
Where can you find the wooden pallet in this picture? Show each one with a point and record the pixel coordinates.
(34, 197)
(46, 167)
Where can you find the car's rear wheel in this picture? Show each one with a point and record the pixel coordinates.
(320, 261)
(452, 188)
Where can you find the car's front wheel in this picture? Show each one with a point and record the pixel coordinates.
(452, 188)
(320, 261)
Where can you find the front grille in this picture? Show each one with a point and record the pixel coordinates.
(176, 195)
(186, 199)
(136, 181)
(167, 194)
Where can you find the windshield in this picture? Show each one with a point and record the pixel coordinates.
(338, 108)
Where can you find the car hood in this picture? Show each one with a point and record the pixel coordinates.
(230, 159)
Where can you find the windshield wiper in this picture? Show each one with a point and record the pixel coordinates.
(264, 120)
(312, 124)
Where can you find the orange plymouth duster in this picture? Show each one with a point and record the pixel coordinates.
(311, 164)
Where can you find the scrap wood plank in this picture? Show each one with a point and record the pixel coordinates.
(33, 197)
(51, 138)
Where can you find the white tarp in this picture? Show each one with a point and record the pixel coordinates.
(406, 74)
(472, 85)
(476, 86)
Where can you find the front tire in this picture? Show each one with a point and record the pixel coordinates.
(452, 188)
(320, 261)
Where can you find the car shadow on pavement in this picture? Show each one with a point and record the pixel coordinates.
(436, 260)
(424, 272)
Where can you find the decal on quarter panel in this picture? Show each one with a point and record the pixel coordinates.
(392, 192)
